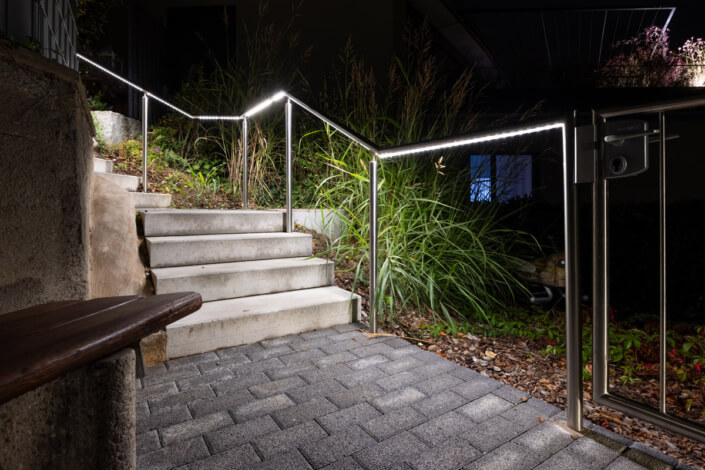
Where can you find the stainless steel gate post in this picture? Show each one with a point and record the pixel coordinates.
(145, 130)
(289, 211)
(245, 165)
(373, 245)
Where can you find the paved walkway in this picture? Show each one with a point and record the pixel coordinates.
(334, 399)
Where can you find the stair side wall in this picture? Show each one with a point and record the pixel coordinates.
(45, 173)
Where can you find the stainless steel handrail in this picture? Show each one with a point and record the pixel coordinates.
(574, 411)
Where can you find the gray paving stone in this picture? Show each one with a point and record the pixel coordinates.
(160, 376)
(229, 352)
(315, 390)
(397, 343)
(654, 453)
(282, 340)
(330, 449)
(341, 420)
(594, 428)
(292, 460)
(310, 344)
(545, 408)
(147, 442)
(335, 359)
(354, 379)
(491, 434)
(346, 327)
(394, 422)
(142, 410)
(545, 439)
(355, 395)
(563, 460)
(622, 463)
(169, 416)
(180, 399)
(438, 384)
(466, 374)
(508, 457)
(269, 353)
(591, 452)
(646, 460)
(340, 346)
(391, 452)
(265, 366)
(240, 382)
(188, 361)
(206, 406)
(238, 434)
(216, 376)
(476, 388)
(318, 333)
(261, 407)
(227, 363)
(306, 411)
(156, 391)
(278, 386)
(288, 439)
(402, 352)
(397, 399)
(438, 430)
(367, 361)
(174, 456)
(327, 373)
(524, 416)
(347, 463)
(431, 358)
(433, 370)
(400, 365)
(372, 349)
(242, 457)
(402, 379)
(303, 356)
(195, 427)
(350, 335)
(290, 370)
(450, 455)
(485, 407)
(439, 404)
(511, 394)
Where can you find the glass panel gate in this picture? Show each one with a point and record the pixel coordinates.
(646, 165)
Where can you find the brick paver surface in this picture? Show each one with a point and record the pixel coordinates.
(335, 399)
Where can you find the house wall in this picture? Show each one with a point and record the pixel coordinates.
(45, 158)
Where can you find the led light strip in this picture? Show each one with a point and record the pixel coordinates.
(430, 146)
(219, 118)
(278, 96)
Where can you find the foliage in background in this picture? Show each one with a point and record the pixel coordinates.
(650, 62)
(96, 102)
(91, 18)
(437, 251)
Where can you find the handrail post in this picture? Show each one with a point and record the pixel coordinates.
(289, 212)
(574, 366)
(373, 245)
(145, 130)
(245, 165)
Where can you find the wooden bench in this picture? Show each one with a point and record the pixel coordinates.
(44, 342)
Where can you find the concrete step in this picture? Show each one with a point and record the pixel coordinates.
(101, 165)
(223, 248)
(207, 221)
(232, 280)
(233, 322)
(151, 200)
(128, 182)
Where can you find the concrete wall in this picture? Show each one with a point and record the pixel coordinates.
(45, 171)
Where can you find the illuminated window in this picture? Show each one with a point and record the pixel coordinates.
(500, 177)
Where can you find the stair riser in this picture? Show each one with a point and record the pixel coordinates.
(101, 165)
(151, 200)
(171, 224)
(186, 253)
(245, 283)
(127, 182)
(194, 339)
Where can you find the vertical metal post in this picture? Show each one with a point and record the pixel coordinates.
(373, 244)
(574, 404)
(245, 165)
(662, 260)
(600, 274)
(145, 130)
(289, 212)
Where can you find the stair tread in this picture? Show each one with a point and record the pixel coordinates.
(228, 309)
(169, 221)
(216, 237)
(173, 210)
(118, 176)
(234, 267)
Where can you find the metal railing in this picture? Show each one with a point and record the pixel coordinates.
(54, 30)
(381, 155)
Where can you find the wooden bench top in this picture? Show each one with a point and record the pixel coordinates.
(44, 342)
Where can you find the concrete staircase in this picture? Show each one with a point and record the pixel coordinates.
(104, 169)
(255, 279)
